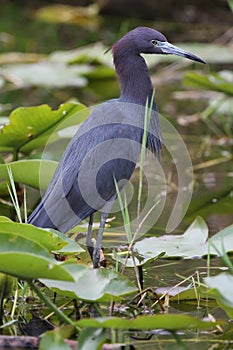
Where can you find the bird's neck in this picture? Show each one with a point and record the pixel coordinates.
(136, 86)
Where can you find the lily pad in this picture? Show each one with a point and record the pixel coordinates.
(222, 241)
(166, 321)
(223, 283)
(53, 341)
(20, 57)
(221, 287)
(23, 258)
(136, 261)
(70, 246)
(51, 240)
(93, 338)
(188, 245)
(91, 54)
(48, 240)
(46, 74)
(93, 285)
(193, 243)
(31, 127)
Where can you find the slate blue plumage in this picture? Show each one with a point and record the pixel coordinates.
(108, 143)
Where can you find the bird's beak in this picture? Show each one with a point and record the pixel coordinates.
(168, 48)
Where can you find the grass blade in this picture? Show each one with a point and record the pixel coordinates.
(13, 194)
(148, 112)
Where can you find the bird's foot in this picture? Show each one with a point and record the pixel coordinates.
(98, 258)
(90, 249)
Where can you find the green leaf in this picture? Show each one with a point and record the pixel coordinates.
(7, 284)
(138, 260)
(106, 285)
(70, 246)
(192, 243)
(31, 127)
(221, 287)
(92, 339)
(4, 219)
(26, 259)
(48, 240)
(54, 340)
(223, 284)
(52, 240)
(223, 241)
(214, 82)
(45, 74)
(36, 173)
(165, 321)
(100, 72)
(92, 54)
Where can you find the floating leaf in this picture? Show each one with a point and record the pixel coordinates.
(5, 219)
(52, 240)
(54, 340)
(26, 259)
(106, 285)
(71, 245)
(45, 73)
(223, 283)
(129, 261)
(166, 321)
(180, 293)
(193, 243)
(48, 240)
(221, 287)
(188, 245)
(100, 72)
(31, 127)
(92, 338)
(20, 57)
(222, 241)
(91, 54)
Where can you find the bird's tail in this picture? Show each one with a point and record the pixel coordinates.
(40, 218)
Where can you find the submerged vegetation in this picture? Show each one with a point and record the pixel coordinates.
(156, 291)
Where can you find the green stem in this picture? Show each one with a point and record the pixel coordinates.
(53, 307)
(15, 155)
(180, 344)
(147, 116)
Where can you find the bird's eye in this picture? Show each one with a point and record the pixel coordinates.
(154, 42)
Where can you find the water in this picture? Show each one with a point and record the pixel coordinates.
(212, 181)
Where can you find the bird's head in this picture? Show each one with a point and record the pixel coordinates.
(150, 41)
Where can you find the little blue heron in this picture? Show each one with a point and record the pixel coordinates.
(106, 147)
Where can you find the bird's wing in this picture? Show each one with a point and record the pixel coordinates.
(106, 146)
(99, 138)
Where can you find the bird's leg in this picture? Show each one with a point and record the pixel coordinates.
(96, 253)
(89, 242)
